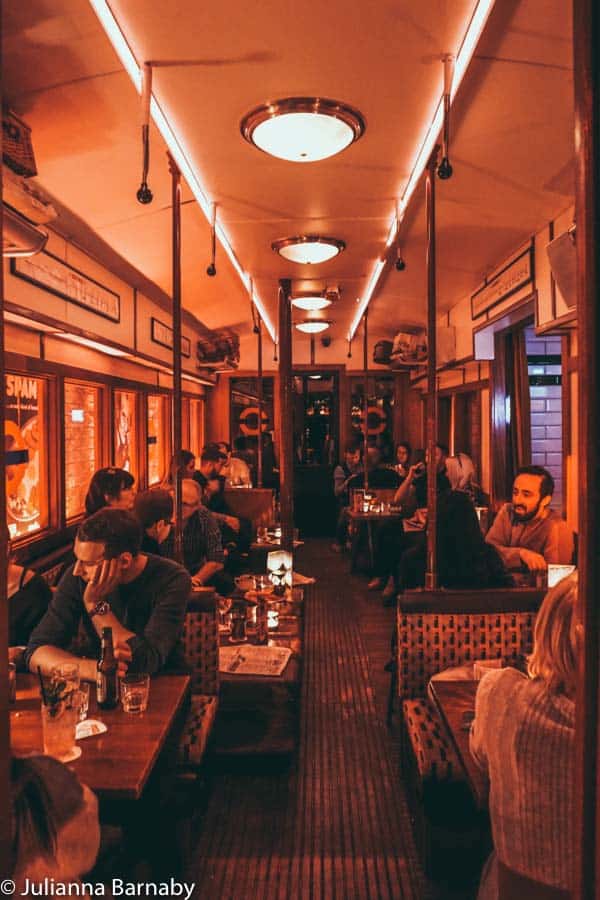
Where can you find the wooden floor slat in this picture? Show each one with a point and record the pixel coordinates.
(336, 825)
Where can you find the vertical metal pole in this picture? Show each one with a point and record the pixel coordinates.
(259, 403)
(586, 24)
(176, 263)
(312, 350)
(366, 397)
(431, 424)
(5, 842)
(286, 442)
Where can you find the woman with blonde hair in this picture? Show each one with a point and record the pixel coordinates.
(523, 736)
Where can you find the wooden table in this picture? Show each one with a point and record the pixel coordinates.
(359, 518)
(453, 699)
(258, 714)
(118, 763)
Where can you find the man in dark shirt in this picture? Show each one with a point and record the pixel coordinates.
(142, 598)
(154, 511)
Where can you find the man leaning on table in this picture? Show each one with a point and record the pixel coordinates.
(527, 533)
(112, 584)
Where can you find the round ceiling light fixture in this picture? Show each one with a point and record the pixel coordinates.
(302, 129)
(313, 326)
(308, 249)
(311, 303)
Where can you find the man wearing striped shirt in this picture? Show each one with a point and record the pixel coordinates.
(203, 554)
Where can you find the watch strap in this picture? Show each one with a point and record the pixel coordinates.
(101, 608)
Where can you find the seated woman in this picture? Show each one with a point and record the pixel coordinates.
(403, 454)
(523, 736)
(110, 487)
(28, 597)
(463, 556)
(395, 538)
(54, 823)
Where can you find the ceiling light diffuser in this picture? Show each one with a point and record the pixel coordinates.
(308, 249)
(302, 129)
(313, 326)
(311, 304)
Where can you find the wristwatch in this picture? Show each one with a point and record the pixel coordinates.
(101, 608)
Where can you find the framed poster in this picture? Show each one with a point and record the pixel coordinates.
(163, 334)
(56, 276)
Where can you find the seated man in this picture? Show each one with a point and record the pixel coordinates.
(527, 533)
(112, 584)
(154, 511)
(342, 474)
(235, 469)
(203, 553)
(236, 533)
(379, 476)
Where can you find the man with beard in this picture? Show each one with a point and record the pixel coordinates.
(527, 533)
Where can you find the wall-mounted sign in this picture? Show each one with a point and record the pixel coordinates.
(508, 281)
(248, 421)
(163, 334)
(53, 274)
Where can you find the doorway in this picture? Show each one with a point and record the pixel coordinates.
(316, 448)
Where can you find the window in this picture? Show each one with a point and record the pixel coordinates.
(244, 408)
(196, 431)
(125, 438)
(26, 445)
(380, 412)
(157, 438)
(82, 442)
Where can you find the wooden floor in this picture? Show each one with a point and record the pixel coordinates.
(336, 824)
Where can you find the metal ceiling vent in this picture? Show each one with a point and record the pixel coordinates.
(24, 208)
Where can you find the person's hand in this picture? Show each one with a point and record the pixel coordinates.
(416, 470)
(233, 523)
(103, 582)
(535, 562)
(123, 657)
(197, 581)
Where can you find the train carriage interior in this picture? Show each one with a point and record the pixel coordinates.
(303, 291)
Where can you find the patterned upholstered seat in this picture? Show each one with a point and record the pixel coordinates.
(198, 726)
(434, 754)
(430, 638)
(201, 652)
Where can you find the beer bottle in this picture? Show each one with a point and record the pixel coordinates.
(107, 694)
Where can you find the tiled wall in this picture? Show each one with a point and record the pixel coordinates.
(546, 412)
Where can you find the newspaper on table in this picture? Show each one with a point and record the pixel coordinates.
(247, 659)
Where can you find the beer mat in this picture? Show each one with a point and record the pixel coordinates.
(88, 728)
(251, 660)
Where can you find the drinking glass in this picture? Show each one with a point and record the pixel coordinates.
(225, 613)
(80, 700)
(67, 672)
(58, 727)
(135, 690)
(264, 585)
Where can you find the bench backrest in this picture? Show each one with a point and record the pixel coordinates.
(201, 641)
(438, 630)
(254, 504)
